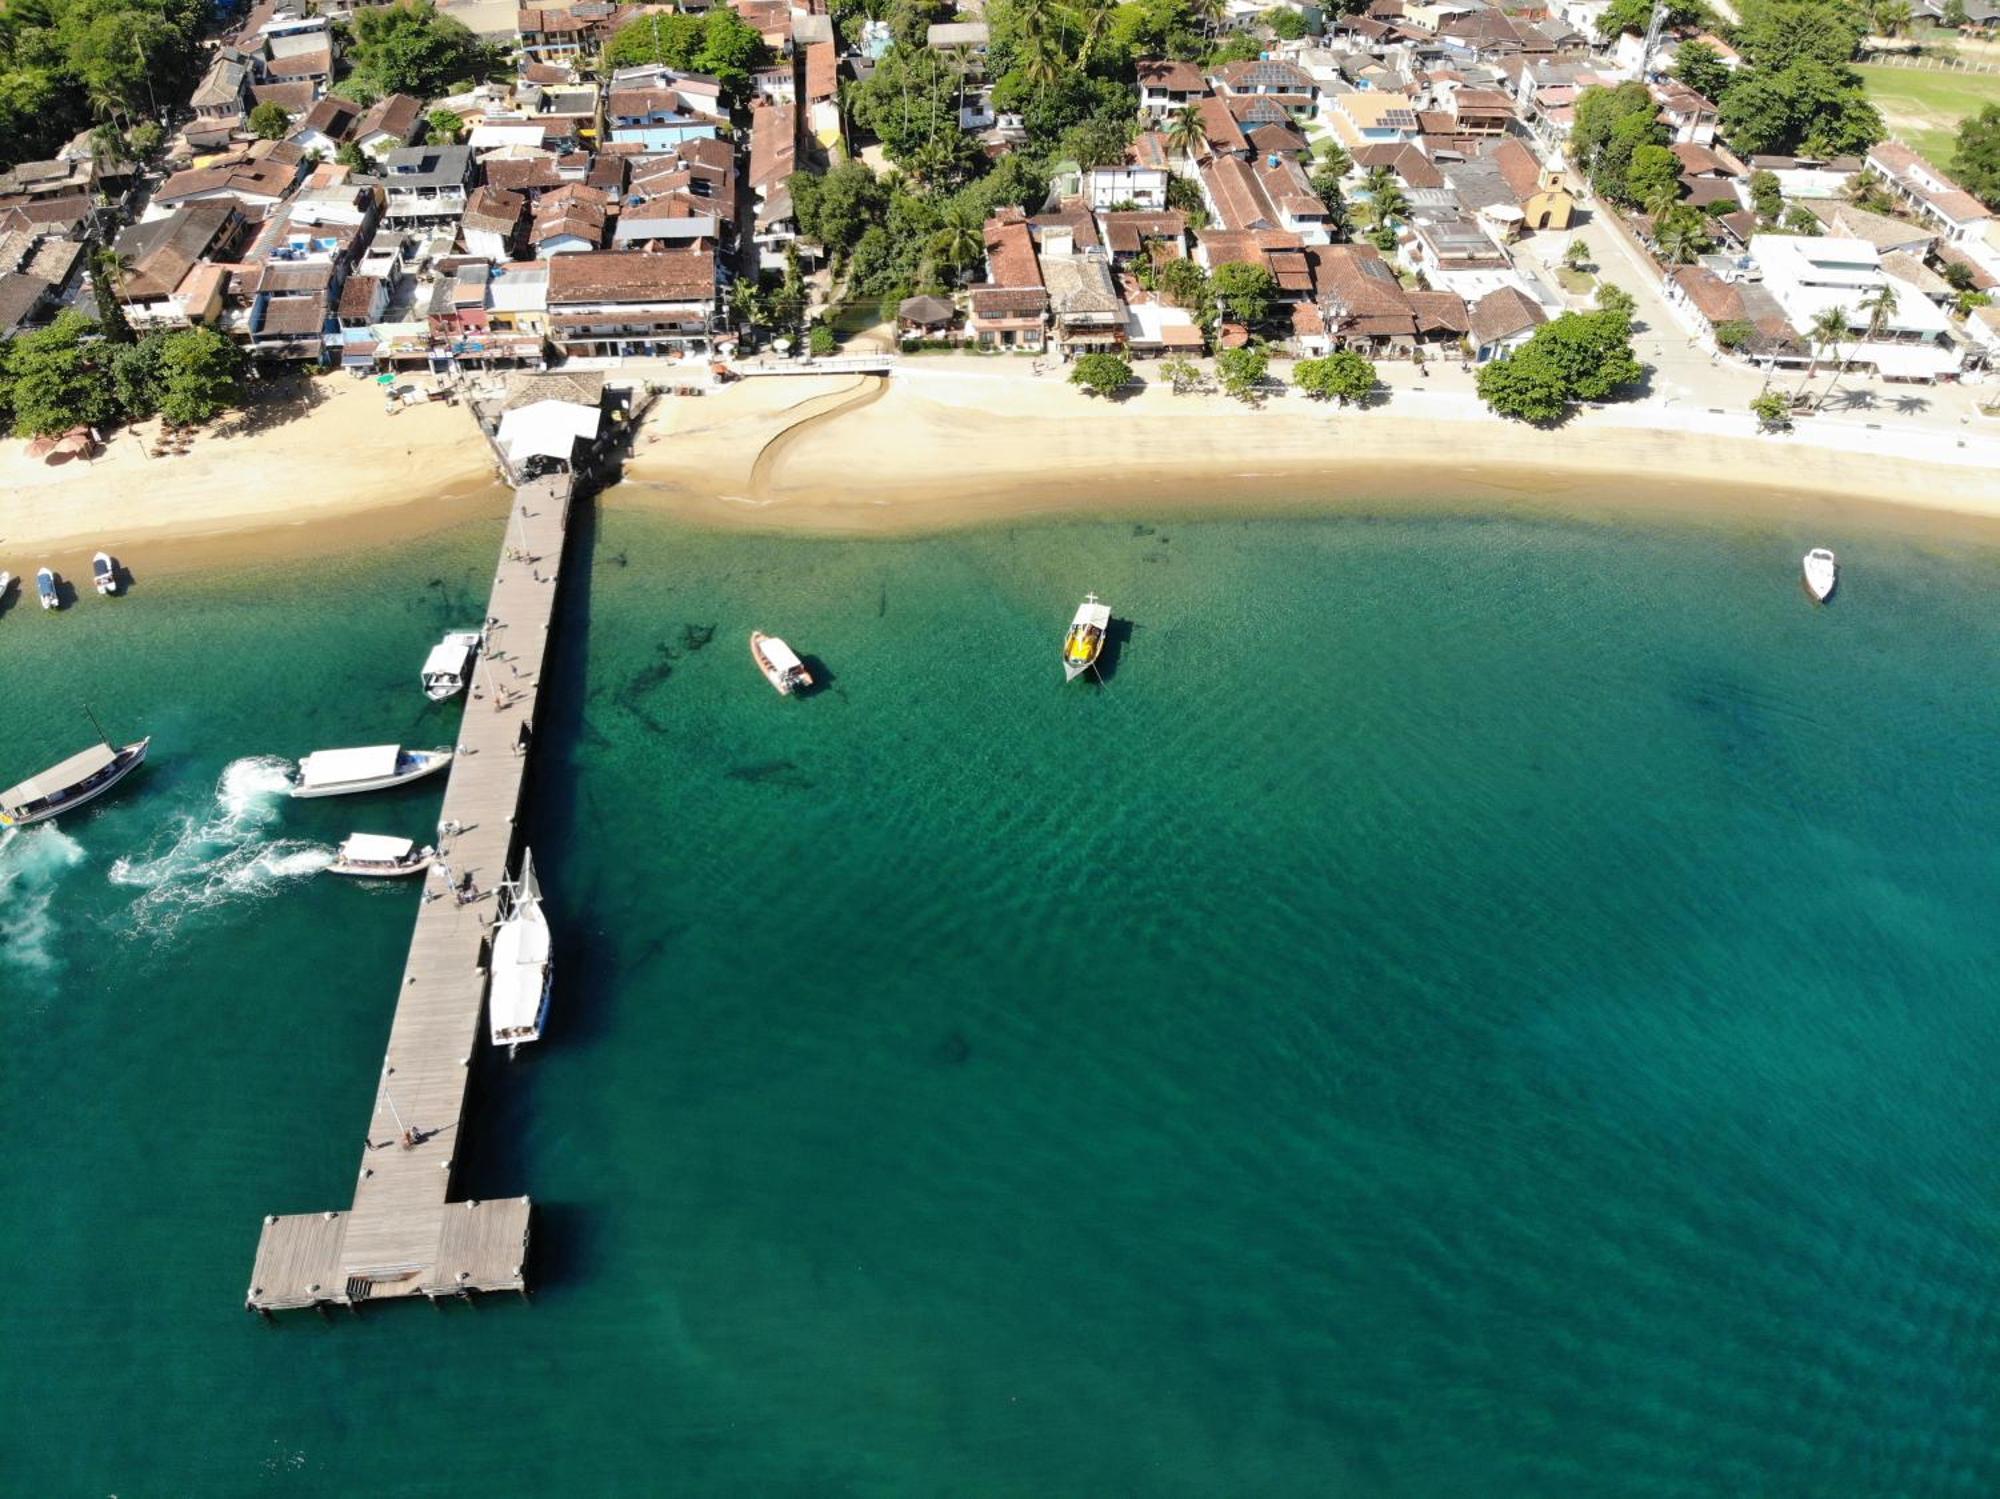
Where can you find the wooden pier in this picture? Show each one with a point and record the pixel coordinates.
(404, 1236)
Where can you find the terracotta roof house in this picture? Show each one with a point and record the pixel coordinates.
(1501, 321)
(1165, 84)
(492, 222)
(1363, 304)
(1411, 165)
(570, 220)
(391, 121)
(530, 176)
(253, 181)
(1225, 136)
(326, 126)
(1083, 297)
(625, 302)
(1440, 315)
(1941, 202)
(1009, 308)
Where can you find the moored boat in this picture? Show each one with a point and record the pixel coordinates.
(1085, 641)
(341, 772)
(1822, 573)
(448, 667)
(83, 777)
(104, 573)
(45, 588)
(371, 856)
(523, 970)
(779, 663)
(6, 584)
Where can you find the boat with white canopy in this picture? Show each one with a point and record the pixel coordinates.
(83, 777)
(523, 972)
(104, 573)
(448, 668)
(1822, 572)
(45, 588)
(779, 663)
(372, 856)
(341, 772)
(1085, 641)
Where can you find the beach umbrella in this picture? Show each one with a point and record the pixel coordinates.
(41, 447)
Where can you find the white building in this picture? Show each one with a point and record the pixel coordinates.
(1808, 275)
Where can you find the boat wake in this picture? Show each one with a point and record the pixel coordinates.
(226, 856)
(32, 864)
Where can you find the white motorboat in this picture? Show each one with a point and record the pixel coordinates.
(1085, 641)
(104, 573)
(1822, 571)
(371, 856)
(45, 588)
(448, 668)
(342, 772)
(83, 777)
(779, 663)
(523, 971)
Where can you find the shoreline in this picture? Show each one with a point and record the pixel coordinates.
(963, 445)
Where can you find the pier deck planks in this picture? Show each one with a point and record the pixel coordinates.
(404, 1236)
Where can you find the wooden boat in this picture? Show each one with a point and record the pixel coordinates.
(370, 856)
(779, 663)
(523, 970)
(45, 588)
(83, 777)
(1822, 573)
(448, 668)
(343, 772)
(1085, 641)
(104, 573)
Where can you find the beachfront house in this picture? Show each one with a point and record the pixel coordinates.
(1809, 274)
(617, 303)
(1010, 307)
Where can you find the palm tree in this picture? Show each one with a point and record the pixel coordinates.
(1187, 132)
(1208, 12)
(1827, 330)
(1891, 17)
(1093, 21)
(961, 240)
(1384, 204)
(1880, 306)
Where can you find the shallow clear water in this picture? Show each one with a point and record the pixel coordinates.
(1468, 1006)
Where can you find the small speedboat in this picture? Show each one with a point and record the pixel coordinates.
(104, 573)
(449, 665)
(1085, 641)
(1822, 571)
(45, 588)
(779, 663)
(370, 856)
(342, 772)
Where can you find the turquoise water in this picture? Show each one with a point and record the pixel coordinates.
(1467, 1007)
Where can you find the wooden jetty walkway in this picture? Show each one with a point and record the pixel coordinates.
(404, 1236)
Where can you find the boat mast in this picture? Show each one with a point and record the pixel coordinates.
(102, 737)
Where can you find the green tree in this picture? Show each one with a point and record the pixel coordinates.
(1529, 387)
(1681, 234)
(672, 40)
(1735, 333)
(1774, 34)
(836, 209)
(1653, 180)
(1244, 292)
(1702, 69)
(1186, 285)
(201, 375)
(821, 342)
(1242, 371)
(408, 48)
(353, 157)
(1610, 125)
(59, 378)
(1634, 15)
(1772, 410)
(1576, 255)
(1976, 161)
(108, 270)
(1614, 298)
(1187, 132)
(1286, 25)
(1183, 375)
(731, 49)
(960, 242)
(1800, 219)
(1812, 106)
(1341, 376)
(270, 121)
(1101, 374)
(1954, 15)
(1766, 196)
(135, 376)
(1828, 331)
(444, 126)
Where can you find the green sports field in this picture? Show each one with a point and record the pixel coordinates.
(1924, 107)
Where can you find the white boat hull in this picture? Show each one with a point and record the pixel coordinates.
(48, 590)
(779, 663)
(423, 763)
(1092, 624)
(104, 573)
(1822, 574)
(383, 871)
(138, 758)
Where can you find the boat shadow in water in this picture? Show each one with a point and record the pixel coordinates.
(821, 674)
(1117, 635)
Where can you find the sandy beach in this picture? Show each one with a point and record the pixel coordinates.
(311, 463)
(961, 441)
